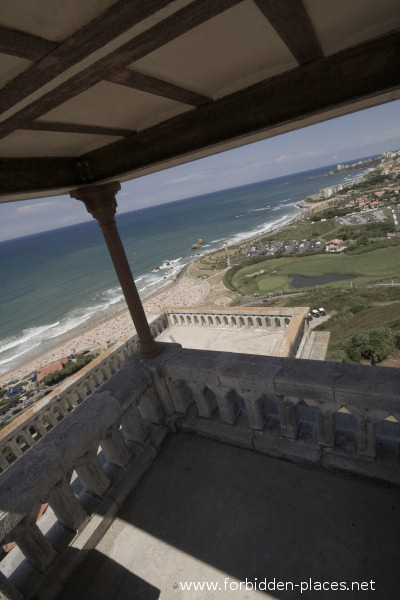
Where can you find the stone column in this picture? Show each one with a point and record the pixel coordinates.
(100, 202)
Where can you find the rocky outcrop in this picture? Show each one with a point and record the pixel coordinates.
(197, 244)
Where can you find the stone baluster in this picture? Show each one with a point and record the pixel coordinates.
(3, 462)
(204, 398)
(149, 407)
(80, 392)
(15, 449)
(325, 428)
(33, 544)
(91, 474)
(66, 507)
(228, 408)
(61, 409)
(180, 396)
(114, 447)
(27, 437)
(163, 392)
(50, 416)
(133, 425)
(255, 409)
(288, 415)
(40, 428)
(97, 379)
(91, 385)
(72, 402)
(366, 438)
(106, 370)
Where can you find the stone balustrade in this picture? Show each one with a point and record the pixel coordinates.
(332, 415)
(243, 318)
(33, 424)
(288, 320)
(83, 470)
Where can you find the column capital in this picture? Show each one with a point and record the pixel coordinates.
(100, 200)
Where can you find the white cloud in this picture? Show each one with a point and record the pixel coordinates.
(33, 208)
(191, 177)
(299, 155)
(381, 136)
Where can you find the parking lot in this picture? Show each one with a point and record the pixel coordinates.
(362, 218)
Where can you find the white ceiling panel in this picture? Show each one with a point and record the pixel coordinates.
(110, 105)
(52, 20)
(10, 67)
(235, 49)
(340, 24)
(22, 143)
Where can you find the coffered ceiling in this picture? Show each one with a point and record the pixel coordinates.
(113, 89)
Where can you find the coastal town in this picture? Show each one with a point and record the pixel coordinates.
(340, 218)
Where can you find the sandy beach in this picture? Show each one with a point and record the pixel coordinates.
(183, 291)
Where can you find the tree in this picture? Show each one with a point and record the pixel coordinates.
(373, 345)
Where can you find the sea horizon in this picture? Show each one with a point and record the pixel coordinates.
(62, 280)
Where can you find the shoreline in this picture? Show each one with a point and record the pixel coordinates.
(183, 290)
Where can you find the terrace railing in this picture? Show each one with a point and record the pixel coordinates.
(326, 414)
(35, 423)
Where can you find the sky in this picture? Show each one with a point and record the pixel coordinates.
(361, 134)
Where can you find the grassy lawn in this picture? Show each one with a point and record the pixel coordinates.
(354, 310)
(345, 324)
(324, 229)
(369, 267)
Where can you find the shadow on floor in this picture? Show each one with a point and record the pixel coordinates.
(207, 511)
(102, 577)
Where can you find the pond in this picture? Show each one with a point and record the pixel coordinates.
(302, 281)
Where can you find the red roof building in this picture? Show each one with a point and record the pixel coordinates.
(57, 366)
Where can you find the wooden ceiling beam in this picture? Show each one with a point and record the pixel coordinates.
(152, 85)
(167, 30)
(24, 45)
(361, 73)
(292, 23)
(76, 128)
(120, 17)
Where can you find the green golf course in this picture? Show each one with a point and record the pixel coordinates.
(330, 270)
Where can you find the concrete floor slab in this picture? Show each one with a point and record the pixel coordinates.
(209, 512)
(246, 341)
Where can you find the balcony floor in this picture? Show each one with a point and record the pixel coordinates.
(245, 341)
(207, 511)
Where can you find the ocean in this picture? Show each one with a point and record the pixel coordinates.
(54, 283)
